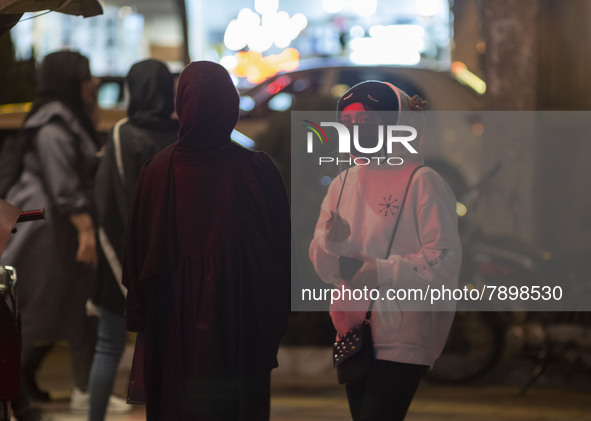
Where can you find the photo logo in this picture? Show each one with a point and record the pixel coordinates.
(390, 139)
(317, 130)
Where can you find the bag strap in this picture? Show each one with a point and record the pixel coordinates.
(342, 188)
(401, 207)
(117, 148)
(368, 314)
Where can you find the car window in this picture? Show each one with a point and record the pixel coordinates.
(109, 94)
(280, 93)
(351, 77)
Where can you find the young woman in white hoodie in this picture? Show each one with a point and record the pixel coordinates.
(357, 219)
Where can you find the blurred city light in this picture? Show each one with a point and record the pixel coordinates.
(242, 139)
(112, 41)
(278, 85)
(260, 33)
(229, 62)
(357, 31)
(256, 68)
(125, 11)
(339, 90)
(260, 38)
(468, 78)
(477, 129)
(299, 22)
(247, 103)
(264, 7)
(282, 38)
(332, 6)
(365, 7)
(391, 44)
(281, 102)
(248, 18)
(461, 209)
(399, 32)
(428, 7)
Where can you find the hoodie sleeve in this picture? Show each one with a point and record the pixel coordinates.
(437, 261)
(324, 254)
(270, 242)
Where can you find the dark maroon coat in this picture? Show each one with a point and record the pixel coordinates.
(206, 257)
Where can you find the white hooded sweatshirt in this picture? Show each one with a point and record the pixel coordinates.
(426, 252)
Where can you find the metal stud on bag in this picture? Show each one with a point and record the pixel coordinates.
(347, 345)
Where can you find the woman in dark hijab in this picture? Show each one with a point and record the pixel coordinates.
(54, 258)
(206, 263)
(148, 129)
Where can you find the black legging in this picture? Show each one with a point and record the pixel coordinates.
(386, 393)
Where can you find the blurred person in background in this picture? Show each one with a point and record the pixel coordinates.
(207, 263)
(148, 129)
(425, 250)
(55, 258)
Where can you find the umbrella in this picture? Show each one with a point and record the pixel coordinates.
(84, 8)
(12, 10)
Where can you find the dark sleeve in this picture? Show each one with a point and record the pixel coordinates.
(273, 207)
(136, 148)
(59, 164)
(102, 182)
(133, 255)
(144, 252)
(113, 193)
(108, 191)
(272, 219)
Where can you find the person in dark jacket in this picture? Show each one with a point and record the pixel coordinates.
(207, 263)
(148, 129)
(55, 258)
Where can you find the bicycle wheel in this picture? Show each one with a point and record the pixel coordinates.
(474, 346)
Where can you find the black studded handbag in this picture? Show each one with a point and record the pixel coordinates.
(353, 353)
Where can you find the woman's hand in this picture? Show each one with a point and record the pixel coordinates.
(87, 248)
(416, 103)
(367, 275)
(337, 228)
(86, 238)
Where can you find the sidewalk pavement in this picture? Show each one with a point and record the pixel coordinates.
(305, 389)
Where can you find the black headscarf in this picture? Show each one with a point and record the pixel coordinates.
(151, 94)
(374, 95)
(60, 79)
(207, 104)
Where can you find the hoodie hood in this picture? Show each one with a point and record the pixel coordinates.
(375, 96)
(207, 104)
(151, 93)
(392, 105)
